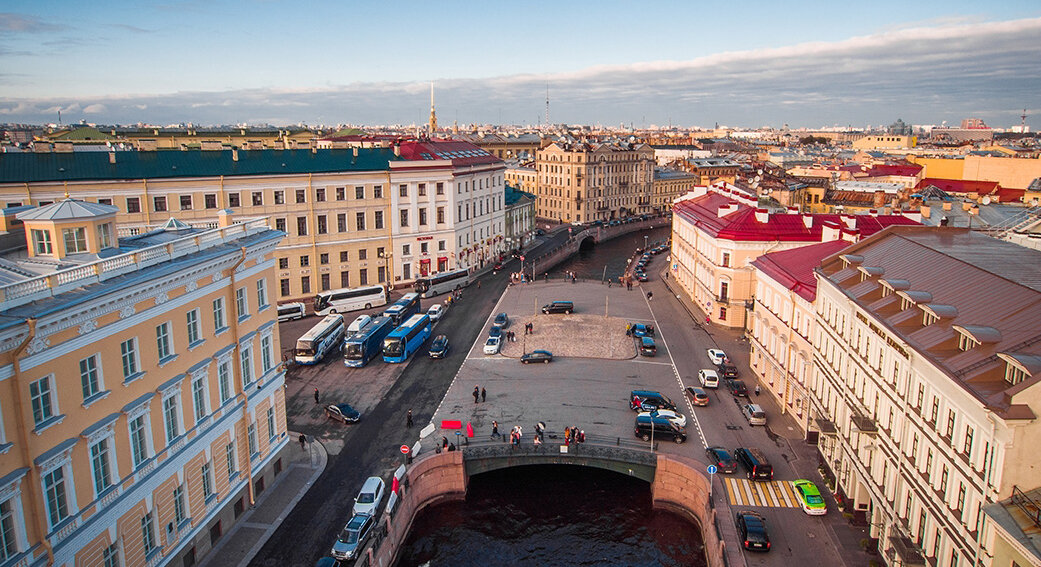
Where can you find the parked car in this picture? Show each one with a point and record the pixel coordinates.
(641, 277)
(708, 378)
(495, 332)
(751, 528)
(649, 400)
(662, 428)
(369, 497)
(543, 356)
(291, 311)
(697, 396)
(810, 498)
(755, 463)
(439, 347)
(737, 388)
(671, 415)
(559, 307)
(435, 312)
(343, 413)
(717, 356)
(353, 536)
(641, 330)
(727, 370)
(647, 347)
(754, 414)
(720, 457)
(492, 345)
(502, 320)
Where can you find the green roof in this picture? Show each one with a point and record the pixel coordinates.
(28, 167)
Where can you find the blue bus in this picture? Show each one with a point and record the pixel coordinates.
(403, 308)
(406, 339)
(367, 343)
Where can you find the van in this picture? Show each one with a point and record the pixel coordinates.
(754, 414)
(357, 325)
(648, 400)
(755, 463)
(708, 378)
(647, 426)
(291, 311)
(559, 307)
(647, 347)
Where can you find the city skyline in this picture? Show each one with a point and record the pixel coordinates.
(829, 66)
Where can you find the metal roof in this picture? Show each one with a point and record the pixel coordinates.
(67, 209)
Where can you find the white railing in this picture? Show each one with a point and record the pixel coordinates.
(111, 496)
(33, 289)
(65, 530)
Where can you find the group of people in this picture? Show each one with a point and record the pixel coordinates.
(626, 281)
(512, 337)
(519, 277)
(515, 435)
(570, 276)
(574, 435)
(480, 394)
(455, 296)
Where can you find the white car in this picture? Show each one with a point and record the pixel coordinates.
(716, 356)
(708, 378)
(369, 496)
(491, 346)
(435, 312)
(675, 417)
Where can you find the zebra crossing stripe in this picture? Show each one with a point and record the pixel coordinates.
(777, 494)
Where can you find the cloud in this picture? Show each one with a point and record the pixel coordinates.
(923, 74)
(130, 28)
(20, 23)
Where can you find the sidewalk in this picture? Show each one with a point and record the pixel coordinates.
(238, 547)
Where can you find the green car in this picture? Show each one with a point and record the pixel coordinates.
(810, 498)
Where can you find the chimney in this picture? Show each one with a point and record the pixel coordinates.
(851, 235)
(849, 220)
(807, 221)
(234, 154)
(830, 231)
(924, 209)
(355, 148)
(397, 149)
(314, 149)
(762, 215)
(112, 157)
(225, 218)
(880, 199)
(726, 210)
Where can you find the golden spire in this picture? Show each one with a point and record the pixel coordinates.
(433, 115)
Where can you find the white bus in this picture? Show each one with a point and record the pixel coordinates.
(323, 338)
(446, 282)
(349, 299)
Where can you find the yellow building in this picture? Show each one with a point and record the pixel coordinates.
(522, 177)
(713, 169)
(1009, 172)
(668, 185)
(885, 142)
(142, 404)
(582, 182)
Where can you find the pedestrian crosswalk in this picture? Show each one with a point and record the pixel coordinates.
(775, 493)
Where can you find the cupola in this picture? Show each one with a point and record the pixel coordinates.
(69, 227)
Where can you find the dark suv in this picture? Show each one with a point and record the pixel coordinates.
(559, 307)
(662, 429)
(737, 388)
(755, 463)
(721, 458)
(727, 370)
(752, 529)
(649, 400)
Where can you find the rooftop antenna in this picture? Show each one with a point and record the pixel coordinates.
(1022, 120)
(547, 105)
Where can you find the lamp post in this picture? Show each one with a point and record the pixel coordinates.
(388, 258)
(645, 243)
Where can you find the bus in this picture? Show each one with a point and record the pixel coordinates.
(349, 299)
(445, 282)
(403, 308)
(406, 339)
(322, 339)
(367, 343)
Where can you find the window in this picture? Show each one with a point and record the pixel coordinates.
(258, 198)
(163, 344)
(283, 287)
(199, 398)
(301, 196)
(341, 222)
(377, 192)
(341, 193)
(345, 255)
(359, 221)
(8, 537)
(110, 556)
(965, 342)
(934, 412)
(148, 533)
(345, 279)
(726, 260)
(960, 501)
(424, 247)
(224, 381)
(422, 217)
(301, 226)
(104, 236)
(363, 254)
(406, 249)
(233, 200)
(950, 424)
(209, 200)
(261, 293)
(242, 301)
(280, 197)
(128, 352)
(1014, 374)
(422, 189)
(192, 322)
(323, 227)
(42, 241)
(251, 437)
(75, 240)
(219, 320)
(159, 204)
(440, 188)
(323, 258)
(180, 509)
(441, 245)
(967, 446)
(101, 465)
(305, 284)
(403, 190)
(359, 192)
(207, 480)
(928, 318)
(133, 205)
(363, 277)
(40, 393)
(280, 224)
(229, 456)
(266, 356)
(325, 282)
(186, 202)
(271, 433)
(283, 263)
(404, 217)
(89, 378)
(54, 494)
(170, 417)
(246, 360)
(138, 440)
(319, 194)
(440, 215)
(378, 220)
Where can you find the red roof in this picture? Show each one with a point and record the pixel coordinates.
(909, 170)
(1006, 195)
(742, 225)
(459, 152)
(960, 185)
(794, 268)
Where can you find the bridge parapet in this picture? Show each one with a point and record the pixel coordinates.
(625, 459)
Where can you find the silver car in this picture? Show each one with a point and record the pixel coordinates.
(353, 537)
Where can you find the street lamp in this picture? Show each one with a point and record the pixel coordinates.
(387, 259)
(645, 243)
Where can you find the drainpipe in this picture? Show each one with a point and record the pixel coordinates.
(230, 294)
(35, 490)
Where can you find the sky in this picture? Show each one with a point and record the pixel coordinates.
(685, 63)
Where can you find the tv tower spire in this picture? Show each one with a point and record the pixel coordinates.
(433, 115)
(547, 106)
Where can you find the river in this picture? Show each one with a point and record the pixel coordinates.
(590, 263)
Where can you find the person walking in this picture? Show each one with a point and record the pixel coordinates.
(495, 429)
(477, 393)
(303, 441)
(484, 395)
(316, 396)
(757, 389)
(408, 419)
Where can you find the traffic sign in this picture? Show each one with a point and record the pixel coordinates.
(405, 449)
(711, 468)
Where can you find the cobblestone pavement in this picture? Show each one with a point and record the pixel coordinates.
(582, 336)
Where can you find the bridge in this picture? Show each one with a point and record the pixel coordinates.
(595, 234)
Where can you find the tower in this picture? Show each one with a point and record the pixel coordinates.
(433, 115)
(547, 106)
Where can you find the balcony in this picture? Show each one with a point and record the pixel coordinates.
(826, 426)
(907, 551)
(865, 424)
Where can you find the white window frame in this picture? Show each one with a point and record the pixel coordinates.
(194, 327)
(251, 438)
(261, 293)
(164, 341)
(106, 460)
(272, 429)
(145, 445)
(206, 474)
(99, 385)
(48, 395)
(171, 408)
(110, 555)
(231, 459)
(148, 538)
(77, 236)
(220, 315)
(104, 236)
(68, 488)
(200, 395)
(224, 379)
(11, 495)
(246, 365)
(266, 358)
(128, 358)
(180, 502)
(42, 244)
(241, 303)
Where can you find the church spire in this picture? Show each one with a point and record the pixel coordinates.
(433, 115)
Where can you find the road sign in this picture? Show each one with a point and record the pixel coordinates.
(711, 468)
(405, 449)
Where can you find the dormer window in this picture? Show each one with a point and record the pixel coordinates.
(928, 318)
(104, 236)
(75, 240)
(42, 242)
(1014, 374)
(1020, 366)
(887, 291)
(906, 304)
(965, 342)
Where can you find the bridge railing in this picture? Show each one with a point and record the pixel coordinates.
(552, 441)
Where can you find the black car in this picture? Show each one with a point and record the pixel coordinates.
(559, 307)
(720, 457)
(648, 426)
(727, 370)
(737, 388)
(439, 347)
(543, 356)
(752, 529)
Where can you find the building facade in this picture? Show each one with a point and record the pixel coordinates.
(925, 390)
(520, 218)
(711, 170)
(668, 185)
(582, 182)
(143, 397)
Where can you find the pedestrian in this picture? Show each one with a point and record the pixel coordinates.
(444, 442)
(316, 396)
(408, 419)
(650, 295)
(303, 441)
(484, 395)
(757, 389)
(531, 328)
(608, 283)
(567, 435)
(538, 441)
(477, 393)
(478, 284)
(546, 275)
(582, 436)
(451, 447)
(495, 429)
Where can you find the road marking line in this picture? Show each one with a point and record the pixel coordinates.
(672, 361)
(772, 494)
